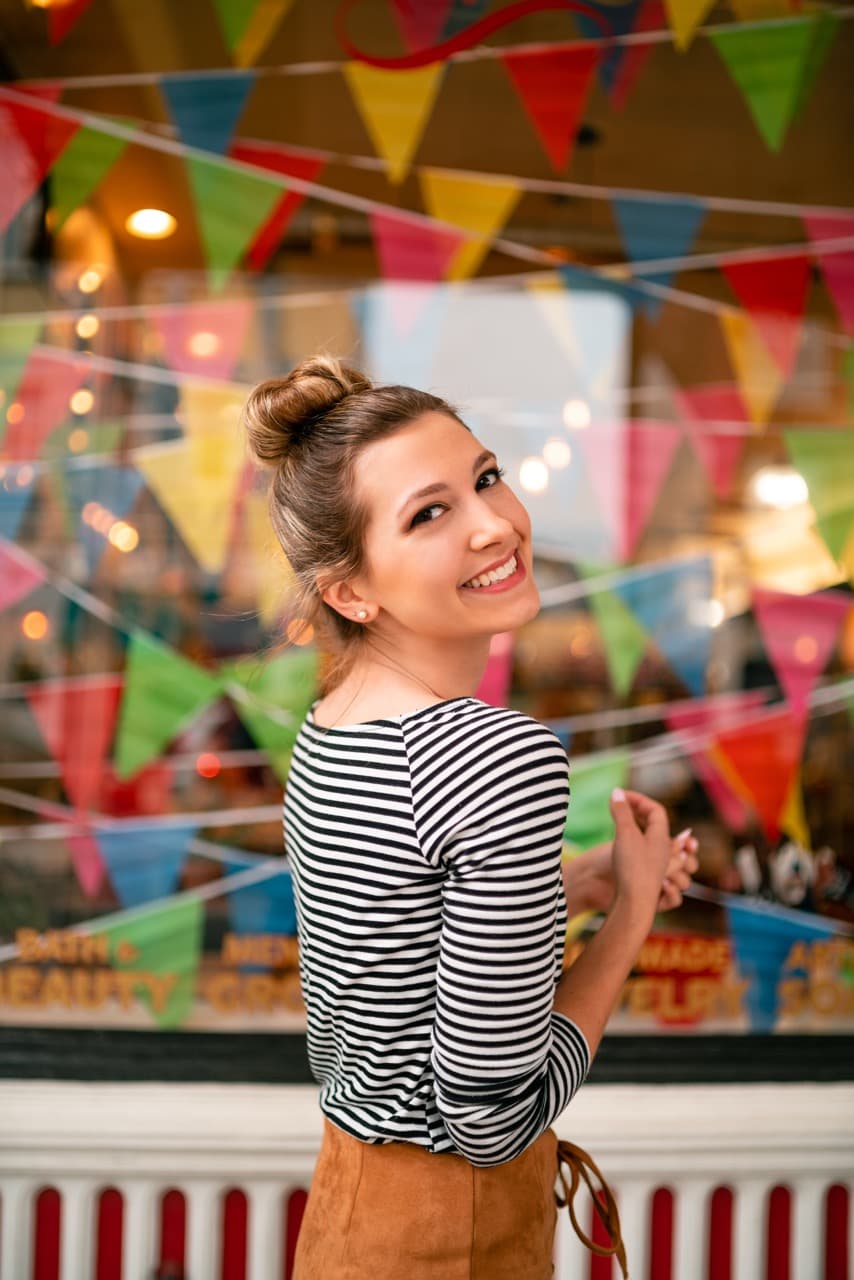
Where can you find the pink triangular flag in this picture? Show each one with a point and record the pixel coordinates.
(203, 338)
(553, 85)
(495, 684)
(719, 449)
(31, 140)
(406, 250)
(17, 577)
(838, 268)
(628, 463)
(799, 634)
(87, 862)
(62, 17)
(774, 293)
(44, 391)
(76, 718)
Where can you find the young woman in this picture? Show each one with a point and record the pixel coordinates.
(423, 829)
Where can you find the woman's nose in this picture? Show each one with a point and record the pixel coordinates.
(489, 527)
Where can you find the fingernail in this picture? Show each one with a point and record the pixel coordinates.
(683, 835)
(618, 794)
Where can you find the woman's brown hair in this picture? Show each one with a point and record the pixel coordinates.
(309, 428)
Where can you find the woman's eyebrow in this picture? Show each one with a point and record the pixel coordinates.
(440, 486)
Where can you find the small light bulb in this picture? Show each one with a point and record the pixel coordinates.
(87, 326)
(151, 224)
(533, 475)
(556, 453)
(576, 415)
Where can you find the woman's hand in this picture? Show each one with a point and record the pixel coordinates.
(588, 878)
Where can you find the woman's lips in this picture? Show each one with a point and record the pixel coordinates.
(506, 584)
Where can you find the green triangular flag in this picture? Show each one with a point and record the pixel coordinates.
(824, 460)
(165, 942)
(287, 685)
(774, 66)
(16, 342)
(88, 157)
(230, 207)
(591, 782)
(163, 693)
(234, 18)
(624, 638)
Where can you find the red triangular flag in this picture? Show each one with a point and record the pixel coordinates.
(774, 293)
(766, 756)
(553, 87)
(838, 268)
(628, 463)
(87, 862)
(76, 718)
(46, 386)
(692, 725)
(799, 634)
(17, 577)
(203, 338)
(50, 92)
(31, 140)
(62, 17)
(719, 450)
(277, 159)
(651, 16)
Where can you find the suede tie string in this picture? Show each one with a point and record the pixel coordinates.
(581, 1165)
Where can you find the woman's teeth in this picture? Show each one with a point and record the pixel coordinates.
(494, 575)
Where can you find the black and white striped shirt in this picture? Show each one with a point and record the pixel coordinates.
(425, 852)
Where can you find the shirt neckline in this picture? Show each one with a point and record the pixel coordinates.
(386, 720)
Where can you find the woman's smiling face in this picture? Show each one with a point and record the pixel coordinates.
(448, 544)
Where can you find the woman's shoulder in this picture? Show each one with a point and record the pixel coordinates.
(484, 727)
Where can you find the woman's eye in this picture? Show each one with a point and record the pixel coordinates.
(490, 477)
(424, 516)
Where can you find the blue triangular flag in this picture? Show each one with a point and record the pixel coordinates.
(205, 108)
(265, 907)
(658, 229)
(144, 860)
(671, 602)
(14, 498)
(620, 21)
(114, 488)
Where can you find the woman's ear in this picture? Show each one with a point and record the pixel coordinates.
(341, 597)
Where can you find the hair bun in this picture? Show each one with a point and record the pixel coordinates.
(281, 412)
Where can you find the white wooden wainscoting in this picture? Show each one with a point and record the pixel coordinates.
(205, 1139)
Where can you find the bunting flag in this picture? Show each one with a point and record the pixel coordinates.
(763, 936)
(622, 635)
(144, 859)
(76, 718)
(793, 819)
(203, 338)
(164, 692)
(719, 451)
(495, 683)
(824, 460)
(775, 67)
(17, 577)
(553, 85)
(757, 373)
(657, 229)
(395, 107)
(766, 756)
(277, 159)
(631, 58)
(87, 862)
(231, 206)
(205, 108)
(628, 464)
(288, 684)
(685, 17)
(16, 489)
(274, 578)
(422, 23)
(477, 208)
(589, 820)
(62, 18)
(167, 942)
(774, 293)
(113, 488)
(702, 719)
(267, 907)
(837, 268)
(621, 21)
(16, 342)
(42, 398)
(799, 634)
(462, 14)
(87, 159)
(550, 295)
(409, 251)
(31, 140)
(247, 25)
(671, 601)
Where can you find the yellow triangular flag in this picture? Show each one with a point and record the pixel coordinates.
(549, 293)
(685, 17)
(793, 819)
(395, 107)
(759, 377)
(211, 415)
(272, 573)
(266, 17)
(479, 207)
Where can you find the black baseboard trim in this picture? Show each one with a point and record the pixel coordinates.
(203, 1057)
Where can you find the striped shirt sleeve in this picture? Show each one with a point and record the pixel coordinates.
(505, 1065)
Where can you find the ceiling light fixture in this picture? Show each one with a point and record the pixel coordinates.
(151, 224)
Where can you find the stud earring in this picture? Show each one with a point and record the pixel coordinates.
(363, 613)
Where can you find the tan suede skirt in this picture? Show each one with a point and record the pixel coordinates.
(397, 1212)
